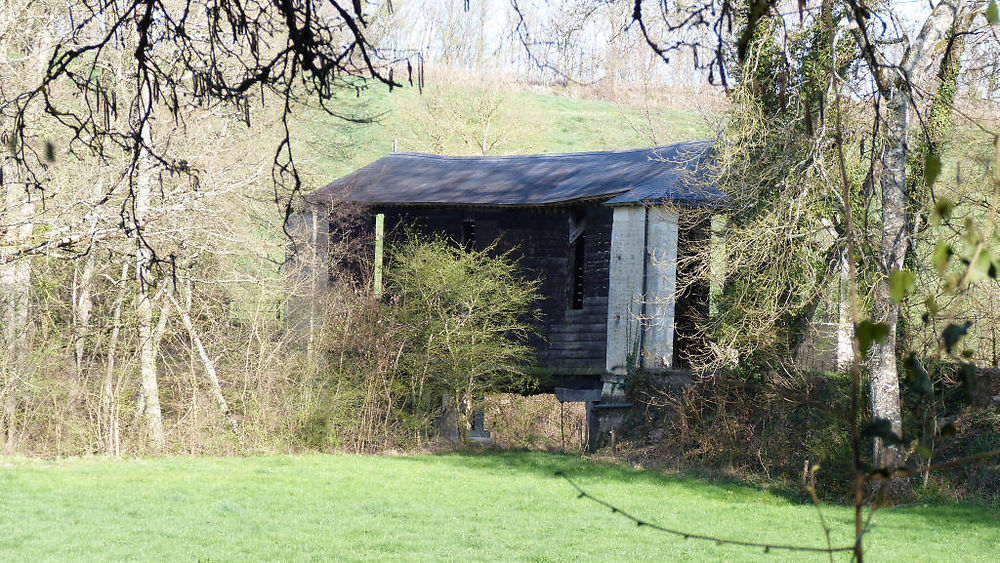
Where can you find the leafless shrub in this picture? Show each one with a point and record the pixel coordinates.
(537, 422)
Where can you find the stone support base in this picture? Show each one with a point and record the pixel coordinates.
(606, 417)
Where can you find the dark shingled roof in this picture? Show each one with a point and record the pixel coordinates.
(673, 173)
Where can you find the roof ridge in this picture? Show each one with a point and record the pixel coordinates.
(538, 179)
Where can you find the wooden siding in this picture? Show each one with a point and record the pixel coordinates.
(573, 341)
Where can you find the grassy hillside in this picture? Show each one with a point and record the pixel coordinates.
(506, 507)
(447, 119)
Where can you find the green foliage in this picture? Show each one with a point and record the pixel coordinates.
(938, 395)
(942, 253)
(917, 377)
(776, 249)
(981, 266)
(776, 167)
(468, 315)
(869, 333)
(953, 333)
(785, 235)
(900, 284)
(760, 431)
(943, 208)
(451, 324)
(932, 168)
(882, 429)
(317, 431)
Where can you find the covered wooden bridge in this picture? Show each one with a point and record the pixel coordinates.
(599, 229)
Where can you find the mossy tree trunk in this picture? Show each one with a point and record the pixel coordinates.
(897, 88)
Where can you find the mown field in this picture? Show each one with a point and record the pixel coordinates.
(507, 507)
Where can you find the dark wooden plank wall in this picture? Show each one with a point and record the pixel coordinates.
(578, 342)
(573, 341)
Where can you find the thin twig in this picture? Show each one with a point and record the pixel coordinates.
(852, 271)
(822, 520)
(767, 547)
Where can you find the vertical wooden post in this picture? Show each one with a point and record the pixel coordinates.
(562, 426)
(379, 240)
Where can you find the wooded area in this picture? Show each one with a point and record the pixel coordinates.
(156, 154)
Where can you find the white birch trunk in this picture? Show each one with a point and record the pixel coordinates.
(83, 302)
(213, 378)
(83, 306)
(109, 397)
(150, 398)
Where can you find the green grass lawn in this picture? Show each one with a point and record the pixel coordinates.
(526, 122)
(430, 508)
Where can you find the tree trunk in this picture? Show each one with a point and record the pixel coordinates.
(15, 283)
(84, 303)
(915, 68)
(109, 397)
(884, 397)
(144, 309)
(213, 378)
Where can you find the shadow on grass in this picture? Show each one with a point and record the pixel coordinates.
(951, 514)
(547, 464)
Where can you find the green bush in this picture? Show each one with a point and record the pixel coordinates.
(453, 324)
(468, 317)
